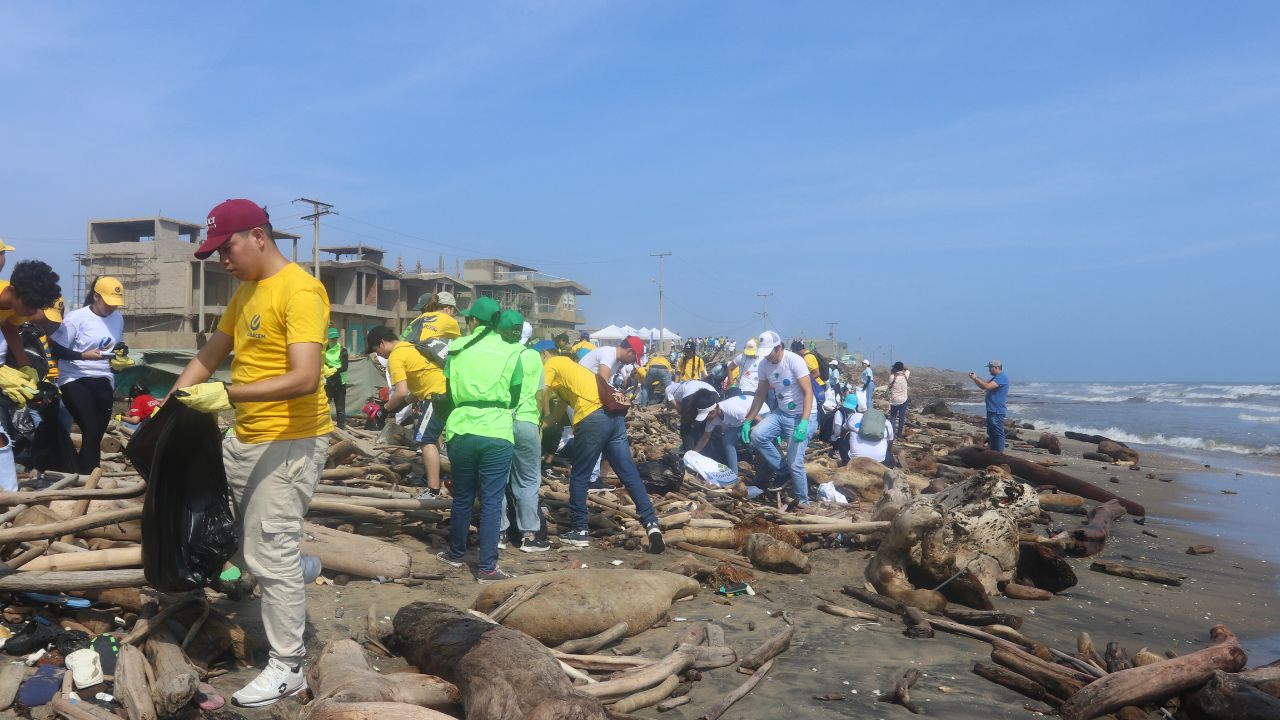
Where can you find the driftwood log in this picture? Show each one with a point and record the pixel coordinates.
(976, 457)
(737, 694)
(1134, 572)
(131, 687)
(1238, 696)
(71, 581)
(1161, 681)
(901, 693)
(1015, 682)
(73, 525)
(108, 559)
(770, 649)
(176, 678)
(352, 554)
(341, 673)
(502, 673)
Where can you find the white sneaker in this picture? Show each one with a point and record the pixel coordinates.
(277, 682)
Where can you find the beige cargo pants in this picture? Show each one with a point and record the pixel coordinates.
(271, 484)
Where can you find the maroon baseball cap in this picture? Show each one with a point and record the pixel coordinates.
(227, 219)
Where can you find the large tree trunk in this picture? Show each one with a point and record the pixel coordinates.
(1160, 681)
(503, 673)
(354, 554)
(1027, 471)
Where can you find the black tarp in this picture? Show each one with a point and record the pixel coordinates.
(189, 530)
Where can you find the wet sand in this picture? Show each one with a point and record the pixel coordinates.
(855, 661)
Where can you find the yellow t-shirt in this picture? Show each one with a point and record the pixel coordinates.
(406, 363)
(811, 362)
(691, 369)
(10, 315)
(583, 344)
(658, 361)
(574, 384)
(263, 319)
(436, 324)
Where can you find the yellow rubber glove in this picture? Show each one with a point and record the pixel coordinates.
(31, 373)
(120, 362)
(328, 370)
(119, 418)
(210, 397)
(16, 385)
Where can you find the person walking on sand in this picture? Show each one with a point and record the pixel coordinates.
(431, 330)
(868, 381)
(275, 324)
(997, 390)
(898, 396)
(335, 375)
(690, 367)
(526, 459)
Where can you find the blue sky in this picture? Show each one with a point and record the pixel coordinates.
(1087, 191)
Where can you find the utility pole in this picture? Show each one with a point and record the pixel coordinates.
(831, 333)
(662, 314)
(318, 209)
(764, 315)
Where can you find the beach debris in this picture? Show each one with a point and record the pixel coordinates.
(574, 604)
(502, 673)
(342, 682)
(1157, 682)
(1049, 441)
(1134, 572)
(769, 649)
(737, 694)
(900, 694)
(1038, 475)
(1118, 452)
(1200, 550)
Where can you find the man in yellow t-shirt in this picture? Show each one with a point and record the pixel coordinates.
(430, 333)
(31, 287)
(656, 378)
(410, 373)
(595, 433)
(275, 324)
(690, 366)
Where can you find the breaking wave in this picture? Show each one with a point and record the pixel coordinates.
(1259, 418)
(1177, 441)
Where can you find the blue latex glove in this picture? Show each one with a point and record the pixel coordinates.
(746, 433)
(802, 431)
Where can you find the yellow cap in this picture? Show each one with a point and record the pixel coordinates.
(6, 247)
(111, 290)
(53, 313)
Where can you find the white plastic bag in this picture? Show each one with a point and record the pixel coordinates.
(827, 491)
(713, 473)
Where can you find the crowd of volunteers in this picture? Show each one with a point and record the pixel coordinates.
(472, 383)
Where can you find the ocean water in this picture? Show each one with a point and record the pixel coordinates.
(1224, 424)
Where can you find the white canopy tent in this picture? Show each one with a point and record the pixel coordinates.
(611, 332)
(649, 335)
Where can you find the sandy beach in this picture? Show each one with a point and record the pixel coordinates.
(850, 663)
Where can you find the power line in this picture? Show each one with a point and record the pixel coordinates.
(318, 209)
(764, 315)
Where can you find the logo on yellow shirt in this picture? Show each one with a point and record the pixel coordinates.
(255, 323)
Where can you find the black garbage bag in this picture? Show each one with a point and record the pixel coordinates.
(40, 442)
(189, 529)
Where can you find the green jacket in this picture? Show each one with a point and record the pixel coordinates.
(485, 379)
(531, 369)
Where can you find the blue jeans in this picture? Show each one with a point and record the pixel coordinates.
(599, 433)
(481, 466)
(729, 445)
(871, 392)
(526, 474)
(898, 417)
(659, 376)
(995, 431)
(780, 425)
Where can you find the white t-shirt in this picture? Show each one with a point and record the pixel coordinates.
(733, 412)
(860, 447)
(679, 391)
(82, 330)
(749, 378)
(785, 378)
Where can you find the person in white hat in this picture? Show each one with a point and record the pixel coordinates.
(795, 417)
(748, 365)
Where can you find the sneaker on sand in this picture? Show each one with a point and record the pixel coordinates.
(429, 494)
(598, 487)
(780, 481)
(493, 576)
(277, 682)
(502, 544)
(444, 557)
(575, 538)
(531, 544)
(656, 543)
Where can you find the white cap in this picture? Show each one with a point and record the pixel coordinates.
(767, 341)
(703, 413)
(526, 333)
(866, 361)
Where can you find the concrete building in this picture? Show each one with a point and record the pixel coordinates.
(548, 302)
(175, 300)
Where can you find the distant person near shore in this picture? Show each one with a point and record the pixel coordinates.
(997, 389)
(897, 388)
